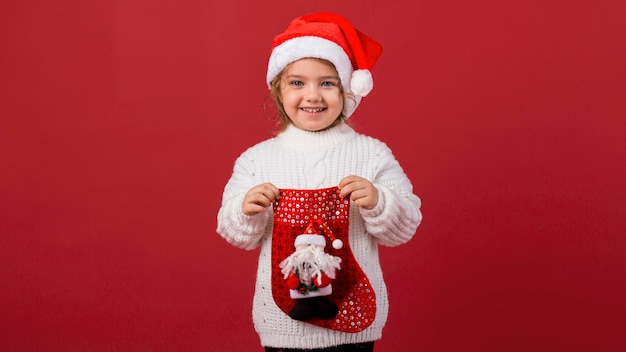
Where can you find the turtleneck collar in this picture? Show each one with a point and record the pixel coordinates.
(296, 138)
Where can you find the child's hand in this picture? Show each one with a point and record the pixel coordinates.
(361, 191)
(259, 197)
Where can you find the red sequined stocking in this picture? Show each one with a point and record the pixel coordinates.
(352, 292)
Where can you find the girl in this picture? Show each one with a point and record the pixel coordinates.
(319, 179)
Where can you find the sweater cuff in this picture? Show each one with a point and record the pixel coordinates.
(256, 222)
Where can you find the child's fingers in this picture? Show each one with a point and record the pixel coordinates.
(348, 185)
(269, 191)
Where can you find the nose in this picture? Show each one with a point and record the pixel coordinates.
(313, 94)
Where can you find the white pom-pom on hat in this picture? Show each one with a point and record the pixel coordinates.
(337, 244)
(361, 82)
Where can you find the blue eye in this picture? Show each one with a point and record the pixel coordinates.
(296, 83)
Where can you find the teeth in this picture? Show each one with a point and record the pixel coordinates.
(311, 110)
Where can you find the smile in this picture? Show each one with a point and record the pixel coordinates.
(312, 110)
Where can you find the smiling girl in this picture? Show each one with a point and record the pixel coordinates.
(319, 170)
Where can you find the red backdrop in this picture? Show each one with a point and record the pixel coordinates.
(121, 120)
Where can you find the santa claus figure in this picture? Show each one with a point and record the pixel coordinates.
(309, 272)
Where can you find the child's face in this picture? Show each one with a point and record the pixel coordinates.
(311, 94)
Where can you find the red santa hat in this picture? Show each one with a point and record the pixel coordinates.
(312, 236)
(330, 37)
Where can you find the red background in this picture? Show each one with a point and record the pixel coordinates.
(121, 120)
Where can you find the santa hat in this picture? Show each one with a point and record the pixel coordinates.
(312, 236)
(330, 37)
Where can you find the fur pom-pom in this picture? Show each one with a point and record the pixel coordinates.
(361, 82)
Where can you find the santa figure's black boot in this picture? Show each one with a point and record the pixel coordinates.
(324, 309)
(302, 311)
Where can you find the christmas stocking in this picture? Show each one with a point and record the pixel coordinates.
(351, 290)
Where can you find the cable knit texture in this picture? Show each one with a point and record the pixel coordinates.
(298, 159)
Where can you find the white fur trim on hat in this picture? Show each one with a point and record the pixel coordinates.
(314, 239)
(310, 47)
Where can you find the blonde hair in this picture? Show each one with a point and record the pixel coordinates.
(283, 120)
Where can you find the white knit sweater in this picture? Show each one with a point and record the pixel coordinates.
(298, 159)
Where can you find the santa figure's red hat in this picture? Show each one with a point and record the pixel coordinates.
(330, 37)
(312, 236)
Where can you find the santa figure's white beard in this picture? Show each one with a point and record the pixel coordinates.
(311, 261)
